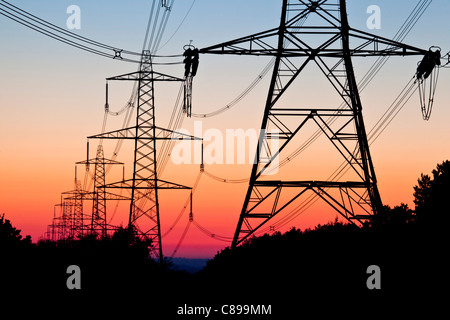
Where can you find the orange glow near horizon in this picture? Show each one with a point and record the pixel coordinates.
(53, 97)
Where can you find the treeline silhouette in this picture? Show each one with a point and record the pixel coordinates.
(327, 262)
(110, 265)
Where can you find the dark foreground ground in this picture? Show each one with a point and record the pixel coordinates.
(298, 274)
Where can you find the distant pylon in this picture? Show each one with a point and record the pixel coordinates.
(72, 223)
(98, 223)
(72, 218)
(326, 44)
(144, 213)
(56, 230)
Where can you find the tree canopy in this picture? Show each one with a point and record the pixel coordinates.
(10, 237)
(432, 195)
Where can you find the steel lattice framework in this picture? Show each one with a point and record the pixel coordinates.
(325, 43)
(144, 185)
(99, 197)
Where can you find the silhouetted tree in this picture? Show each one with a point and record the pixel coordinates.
(16, 255)
(10, 237)
(432, 195)
(398, 216)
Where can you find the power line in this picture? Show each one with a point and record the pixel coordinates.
(178, 28)
(252, 85)
(48, 29)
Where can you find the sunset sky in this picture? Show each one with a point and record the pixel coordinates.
(52, 97)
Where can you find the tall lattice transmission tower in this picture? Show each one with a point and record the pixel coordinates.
(326, 41)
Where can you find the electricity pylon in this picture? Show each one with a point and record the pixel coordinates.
(71, 223)
(144, 215)
(72, 215)
(325, 43)
(99, 197)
